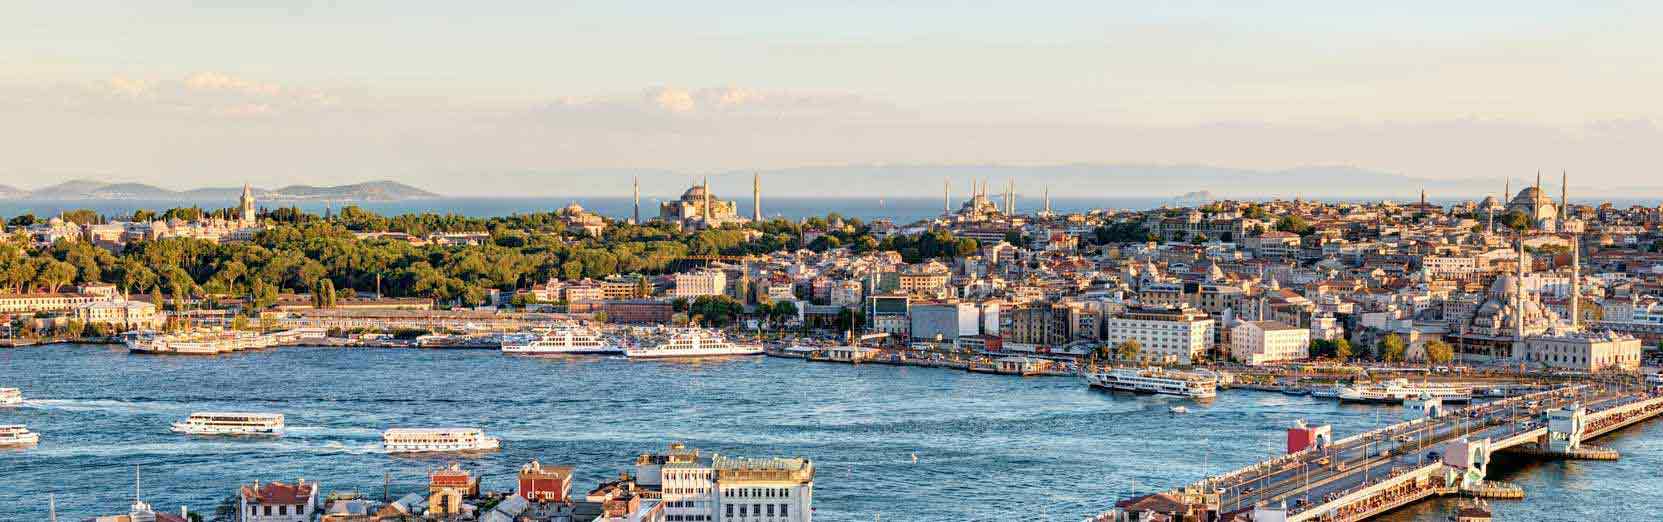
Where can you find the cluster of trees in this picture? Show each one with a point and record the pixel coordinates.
(1338, 348)
(935, 244)
(309, 253)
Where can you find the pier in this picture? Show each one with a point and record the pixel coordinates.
(1435, 451)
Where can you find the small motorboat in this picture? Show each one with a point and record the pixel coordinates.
(1178, 410)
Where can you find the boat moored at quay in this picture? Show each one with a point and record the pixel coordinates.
(231, 423)
(1152, 380)
(689, 343)
(17, 436)
(437, 440)
(560, 340)
(11, 396)
(1399, 390)
(201, 343)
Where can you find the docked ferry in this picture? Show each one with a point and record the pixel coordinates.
(17, 436)
(560, 340)
(199, 343)
(1399, 390)
(231, 423)
(691, 342)
(1153, 380)
(11, 396)
(437, 440)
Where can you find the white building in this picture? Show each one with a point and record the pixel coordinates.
(1174, 335)
(1260, 342)
(1582, 351)
(120, 314)
(278, 502)
(695, 284)
(711, 487)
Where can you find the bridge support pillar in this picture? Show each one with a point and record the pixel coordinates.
(1471, 458)
(1565, 429)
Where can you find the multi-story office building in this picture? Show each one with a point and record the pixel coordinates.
(1177, 334)
(948, 321)
(695, 284)
(699, 487)
(1261, 342)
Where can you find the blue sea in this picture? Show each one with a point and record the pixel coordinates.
(989, 447)
(901, 210)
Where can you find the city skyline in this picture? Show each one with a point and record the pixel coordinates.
(580, 92)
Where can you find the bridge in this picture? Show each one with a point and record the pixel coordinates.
(1436, 451)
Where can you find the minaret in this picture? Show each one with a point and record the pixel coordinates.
(1010, 197)
(638, 200)
(1518, 295)
(1047, 200)
(946, 195)
(756, 197)
(707, 200)
(1564, 198)
(1576, 281)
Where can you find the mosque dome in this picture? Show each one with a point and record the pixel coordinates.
(694, 194)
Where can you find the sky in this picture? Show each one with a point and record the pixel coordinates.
(574, 94)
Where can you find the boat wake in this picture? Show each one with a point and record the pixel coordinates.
(106, 405)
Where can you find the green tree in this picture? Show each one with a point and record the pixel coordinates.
(74, 328)
(1342, 349)
(1128, 350)
(1294, 224)
(1439, 352)
(1391, 348)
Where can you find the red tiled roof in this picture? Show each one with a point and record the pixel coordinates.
(280, 493)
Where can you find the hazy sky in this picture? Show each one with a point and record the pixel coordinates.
(184, 94)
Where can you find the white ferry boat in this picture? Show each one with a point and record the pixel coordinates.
(11, 396)
(231, 423)
(200, 343)
(691, 342)
(17, 436)
(1153, 380)
(1327, 392)
(1398, 390)
(560, 340)
(436, 440)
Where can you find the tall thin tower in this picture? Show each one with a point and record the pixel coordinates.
(638, 200)
(706, 200)
(1564, 197)
(1010, 196)
(1576, 281)
(1518, 294)
(756, 197)
(1048, 200)
(946, 195)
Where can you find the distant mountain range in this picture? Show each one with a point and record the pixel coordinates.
(83, 189)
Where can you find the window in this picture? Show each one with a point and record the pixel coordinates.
(785, 510)
(730, 510)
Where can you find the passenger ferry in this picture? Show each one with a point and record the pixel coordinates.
(231, 423)
(437, 440)
(17, 436)
(11, 396)
(1398, 390)
(199, 343)
(1153, 380)
(560, 340)
(691, 342)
